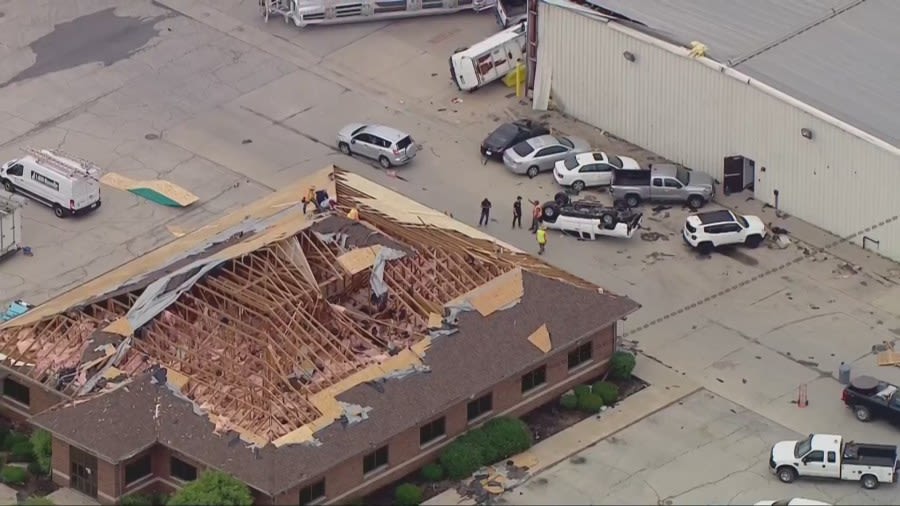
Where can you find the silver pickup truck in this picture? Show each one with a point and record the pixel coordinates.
(662, 183)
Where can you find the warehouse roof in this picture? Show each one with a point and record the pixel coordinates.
(269, 326)
(838, 56)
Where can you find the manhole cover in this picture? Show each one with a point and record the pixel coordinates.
(151, 137)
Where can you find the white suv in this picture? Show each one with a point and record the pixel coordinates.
(707, 231)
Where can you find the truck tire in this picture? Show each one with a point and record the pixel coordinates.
(869, 481)
(753, 241)
(632, 200)
(862, 413)
(787, 474)
(695, 201)
(549, 212)
(8, 186)
(609, 220)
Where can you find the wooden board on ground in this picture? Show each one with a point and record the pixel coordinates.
(888, 358)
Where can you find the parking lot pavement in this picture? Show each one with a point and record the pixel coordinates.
(702, 450)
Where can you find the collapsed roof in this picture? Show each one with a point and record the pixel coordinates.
(269, 326)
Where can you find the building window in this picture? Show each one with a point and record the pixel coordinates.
(137, 470)
(181, 470)
(534, 379)
(375, 460)
(431, 431)
(312, 493)
(480, 406)
(581, 355)
(16, 391)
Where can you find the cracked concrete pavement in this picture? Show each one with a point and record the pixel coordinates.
(230, 108)
(701, 450)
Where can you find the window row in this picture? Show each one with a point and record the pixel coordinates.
(141, 468)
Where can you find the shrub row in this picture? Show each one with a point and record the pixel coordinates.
(591, 399)
(496, 440)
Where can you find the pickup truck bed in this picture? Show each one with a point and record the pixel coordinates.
(870, 398)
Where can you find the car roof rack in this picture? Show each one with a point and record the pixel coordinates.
(66, 164)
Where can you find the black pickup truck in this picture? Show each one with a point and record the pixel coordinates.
(870, 398)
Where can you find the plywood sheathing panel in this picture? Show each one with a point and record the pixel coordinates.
(541, 339)
(407, 211)
(501, 292)
(326, 400)
(119, 327)
(435, 321)
(176, 379)
(888, 358)
(359, 259)
(157, 259)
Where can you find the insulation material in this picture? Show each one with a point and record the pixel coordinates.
(359, 259)
(159, 191)
(157, 297)
(500, 293)
(540, 338)
(379, 287)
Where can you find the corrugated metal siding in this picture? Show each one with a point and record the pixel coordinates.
(696, 116)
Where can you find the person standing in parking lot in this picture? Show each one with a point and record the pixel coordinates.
(542, 239)
(485, 212)
(535, 215)
(517, 212)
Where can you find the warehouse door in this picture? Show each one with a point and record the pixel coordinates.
(738, 174)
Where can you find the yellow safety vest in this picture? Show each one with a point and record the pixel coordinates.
(542, 236)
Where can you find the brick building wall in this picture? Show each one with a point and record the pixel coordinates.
(346, 480)
(39, 399)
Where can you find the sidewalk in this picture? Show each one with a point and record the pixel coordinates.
(666, 388)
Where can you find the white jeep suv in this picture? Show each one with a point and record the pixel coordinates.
(709, 230)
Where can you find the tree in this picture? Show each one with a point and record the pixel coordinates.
(213, 487)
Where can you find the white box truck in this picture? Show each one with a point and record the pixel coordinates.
(828, 456)
(489, 60)
(10, 223)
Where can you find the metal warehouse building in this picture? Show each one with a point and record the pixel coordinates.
(797, 99)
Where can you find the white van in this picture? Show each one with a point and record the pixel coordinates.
(488, 60)
(62, 182)
(329, 12)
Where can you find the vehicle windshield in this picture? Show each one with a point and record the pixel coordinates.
(358, 130)
(803, 447)
(615, 161)
(743, 221)
(571, 162)
(523, 149)
(683, 175)
(565, 142)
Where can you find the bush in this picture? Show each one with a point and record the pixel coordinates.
(568, 401)
(582, 390)
(160, 499)
(433, 473)
(38, 501)
(506, 437)
(12, 438)
(621, 365)
(13, 475)
(213, 487)
(407, 494)
(21, 451)
(34, 469)
(42, 443)
(590, 403)
(607, 391)
(461, 459)
(137, 500)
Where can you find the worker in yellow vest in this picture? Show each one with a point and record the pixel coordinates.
(542, 239)
(353, 214)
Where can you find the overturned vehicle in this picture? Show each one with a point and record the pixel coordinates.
(589, 220)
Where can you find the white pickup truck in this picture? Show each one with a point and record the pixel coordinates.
(828, 456)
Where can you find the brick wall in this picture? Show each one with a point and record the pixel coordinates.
(41, 399)
(346, 480)
(60, 463)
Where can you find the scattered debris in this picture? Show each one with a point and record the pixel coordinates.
(15, 308)
(246, 141)
(393, 173)
(655, 257)
(661, 208)
(151, 137)
(494, 480)
(845, 270)
(456, 100)
(653, 236)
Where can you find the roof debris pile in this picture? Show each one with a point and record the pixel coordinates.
(492, 481)
(262, 320)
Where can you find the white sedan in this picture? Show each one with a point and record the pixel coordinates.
(594, 168)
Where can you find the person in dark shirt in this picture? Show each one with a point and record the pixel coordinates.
(517, 213)
(485, 212)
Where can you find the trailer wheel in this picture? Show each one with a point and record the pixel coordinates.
(787, 474)
(869, 481)
(862, 413)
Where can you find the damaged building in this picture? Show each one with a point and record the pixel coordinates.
(316, 358)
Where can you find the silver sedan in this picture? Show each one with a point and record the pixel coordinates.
(541, 153)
